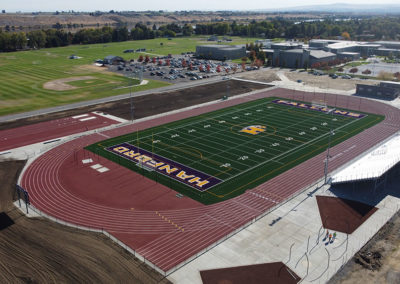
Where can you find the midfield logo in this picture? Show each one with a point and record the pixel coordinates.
(254, 129)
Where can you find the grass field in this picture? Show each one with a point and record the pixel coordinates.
(218, 145)
(24, 73)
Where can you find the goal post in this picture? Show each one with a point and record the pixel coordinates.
(319, 103)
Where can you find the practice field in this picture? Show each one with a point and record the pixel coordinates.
(219, 155)
(24, 73)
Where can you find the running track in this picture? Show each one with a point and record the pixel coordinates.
(43, 131)
(148, 217)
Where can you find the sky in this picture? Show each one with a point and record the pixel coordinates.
(169, 5)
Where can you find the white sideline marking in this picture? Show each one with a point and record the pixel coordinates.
(102, 170)
(88, 118)
(103, 135)
(96, 166)
(79, 116)
(87, 161)
(109, 116)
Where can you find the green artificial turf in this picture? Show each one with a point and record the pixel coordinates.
(214, 144)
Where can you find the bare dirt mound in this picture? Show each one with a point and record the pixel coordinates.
(151, 104)
(60, 84)
(40, 251)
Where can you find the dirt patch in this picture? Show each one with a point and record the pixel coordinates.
(276, 272)
(263, 75)
(39, 251)
(92, 68)
(325, 82)
(383, 251)
(151, 104)
(60, 84)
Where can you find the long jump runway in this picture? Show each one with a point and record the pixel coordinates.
(82, 188)
(43, 131)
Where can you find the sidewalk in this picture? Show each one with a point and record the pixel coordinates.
(292, 234)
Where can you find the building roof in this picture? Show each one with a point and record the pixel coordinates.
(267, 50)
(343, 44)
(350, 53)
(110, 57)
(221, 46)
(372, 165)
(389, 49)
(387, 42)
(321, 54)
(371, 45)
(288, 44)
(294, 51)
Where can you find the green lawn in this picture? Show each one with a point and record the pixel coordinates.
(24, 73)
(217, 147)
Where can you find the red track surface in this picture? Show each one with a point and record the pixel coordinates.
(147, 216)
(40, 132)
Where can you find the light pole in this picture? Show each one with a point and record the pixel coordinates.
(329, 146)
(131, 98)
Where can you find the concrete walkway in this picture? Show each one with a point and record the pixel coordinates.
(292, 234)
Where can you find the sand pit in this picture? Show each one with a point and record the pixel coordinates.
(60, 84)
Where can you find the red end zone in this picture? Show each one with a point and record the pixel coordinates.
(43, 131)
(79, 187)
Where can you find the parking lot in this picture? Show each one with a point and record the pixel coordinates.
(176, 69)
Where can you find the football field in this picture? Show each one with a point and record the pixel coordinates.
(219, 155)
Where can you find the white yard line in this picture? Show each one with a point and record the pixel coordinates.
(242, 144)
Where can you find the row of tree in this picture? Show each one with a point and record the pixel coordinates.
(374, 28)
(57, 37)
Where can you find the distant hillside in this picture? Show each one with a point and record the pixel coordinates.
(344, 8)
(73, 21)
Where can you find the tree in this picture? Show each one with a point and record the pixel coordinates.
(234, 68)
(261, 56)
(37, 39)
(385, 75)
(187, 30)
(140, 59)
(252, 55)
(305, 64)
(346, 35)
(147, 59)
(353, 70)
(366, 72)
